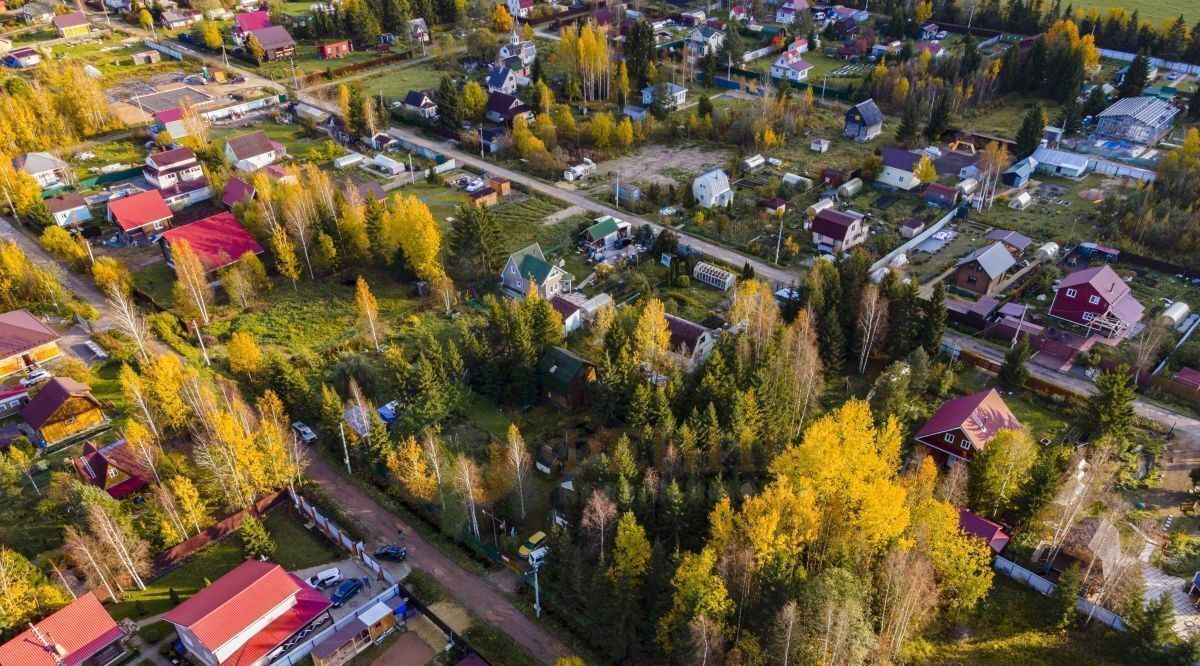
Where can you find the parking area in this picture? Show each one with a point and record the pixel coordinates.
(349, 569)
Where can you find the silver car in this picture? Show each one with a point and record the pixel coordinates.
(305, 433)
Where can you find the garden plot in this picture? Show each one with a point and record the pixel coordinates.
(664, 165)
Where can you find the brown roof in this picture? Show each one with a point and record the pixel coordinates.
(834, 223)
(684, 334)
(20, 332)
(1098, 538)
(65, 201)
(250, 145)
(53, 396)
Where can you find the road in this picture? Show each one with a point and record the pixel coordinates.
(80, 286)
(470, 591)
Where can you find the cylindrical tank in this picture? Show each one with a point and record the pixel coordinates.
(1047, 252)
(819, 206)
(850, 188)
(968, 186)
(1175, 314)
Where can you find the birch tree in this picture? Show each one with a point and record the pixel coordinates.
(906, 594)
(466, 479)
(192, 288)
(285, 254)
(140, 441)
(129, 320)
(435, 453)
(598, 516)
(24, 462)
(368, 310)
(83, 552)
(192, 507)
(1000, 471)
(300, 213)
(136, 395)
(784, 632)
(517, 464)
(115, 533)
(170, 508)
(872, 320)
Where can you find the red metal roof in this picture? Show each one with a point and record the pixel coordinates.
(20, 332)
(983, 528)
(51, 397)
(309, 604)
(1188, 377)
(80, 630)
(236, 191)
(1103, 279)
(170, 115)
(834, 223)
(247, 21)
(980, 415)
(138, 210)
(218, 240)
(93, 464)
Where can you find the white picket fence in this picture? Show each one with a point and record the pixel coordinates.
(1023, 575)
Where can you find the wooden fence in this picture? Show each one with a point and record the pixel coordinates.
(171, 557)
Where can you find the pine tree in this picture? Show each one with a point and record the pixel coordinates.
(1013, 374)
(256, 541)
(1071, 120)
(1113, 404)
(1136, 77)
(1066, 594)
(909, 123)
(935, 320)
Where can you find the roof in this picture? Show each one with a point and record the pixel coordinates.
(247, 21)
(993, 260)
(168, 116)
(218, 240)
(420, 98)
(65, 201)
(251, 145)
(54, 394)
(834, 223)
(719, 178)
(1102, 278)
(1097, 537)
(951, 162)
(20, 332)
(171, 157)
(899, 158)
(72, 20)
(913, 223)
(1014, 239)
(1188, 377)
(871, 115)
(684, 333)
(172, 16)
(675, 88)
(1148, 110)
(559, 367)
(983, 528)
(138, 210)
(94, 462)
(603, 228)
(1060, 157)
(505, 104)
(980, 415)
(941, 190)
(9, 392)
(217, 613)
(499, 77)
(1023, 167)
(81, 629)
(40, 161)
(236, 191)
(564, 307)
(532, 264)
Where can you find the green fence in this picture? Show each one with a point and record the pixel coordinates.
(108, 178)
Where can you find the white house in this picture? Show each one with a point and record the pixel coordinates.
(711, 188)
(420, 102)
(518, 48)
(502, 80)
(678, 95)
(899, 166)
(836, 231)
(47, 169)
(253, 151)
(702, 41)
(790, 65)
(178, 176)
(690, 342)
(68, 209)
(418, 29)
(520, 8)
(789, 11)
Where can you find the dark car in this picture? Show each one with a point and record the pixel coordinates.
(345, 592)
(391, 552)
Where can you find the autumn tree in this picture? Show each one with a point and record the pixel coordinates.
(925, 172)
(245, 358)
(368, 310)
(1001, 470)
(191, 290)
(420, 237)
(109, 272)
(129, 319)
(25, 593)
(872, 321)
(502, 21)
(284, 251)
(517, 465)
(651, 336)
(598, 516)
(474, 97)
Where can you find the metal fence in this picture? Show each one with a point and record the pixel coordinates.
(1021, 574)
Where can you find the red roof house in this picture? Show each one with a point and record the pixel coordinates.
(836, 231)
(992, 533)
(336, 49)
(80, 633)
(236, 191)
(140, 215)
(243, 616)
(218, 240)
(116, 468)
(1097, 299)
(245, 22)
(25, 341)
(963, 426)
(1189, 378)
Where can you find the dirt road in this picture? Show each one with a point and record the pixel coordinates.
(470, 591)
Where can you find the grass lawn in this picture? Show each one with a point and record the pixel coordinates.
(1005, 118)
(1039, 420)
(296, 547)
(114, 58)
(186, 579)
(33, 37)
(121, 151)
(308, 59)
(1152, 11)
(155, 281)
(441, 200)
(486, 415)
(396, 83)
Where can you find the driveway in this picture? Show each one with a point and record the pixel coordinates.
(1159, 582)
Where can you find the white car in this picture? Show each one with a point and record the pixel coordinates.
(306, 433)
(36, 376)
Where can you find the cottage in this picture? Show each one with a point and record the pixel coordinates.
(338, 49)
(962, 427)
(243, 616)
(846, 27)
(775, 206)
(941, 196)
(25, 342)
(899, 169)
(1094, 545)
(981, 271)
(528, 268)
(992, 533)
(676, 95)
(246, 22)
(790, 64)
(911, 227)
(82, 633)
(935, 51)
(253, 151)
(276, 42)
(790, 11)
(1015, 241)
(12, 398)
(420, 103)
(46, 168)
(68, 209)
(516, 47)
(178, 175)
(1141, 120)
(570, 311)
(22, 58)
(140, 215)
(37, 12)
(62, 409)
(929, 31)
(835, 231)
(484, 196)
(690, 342)
(504, 108)
(368, 628)
(503, 186)
(712, 190)
(864, 121)
(702, 41)
(116, 469)
(566, 377)
(74, 24)
(956, 163)
(605, 233)
(1098, 300)
(218, 241)
(172, 122)
(1019, 173)
(520, 8)
(177, 20)
(1189, 377)
(502, 80)
(1060, 162)
(236, 191)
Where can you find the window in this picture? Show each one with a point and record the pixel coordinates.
(1088, 316)
(971, 279)
(1094, 300)
(949, 437)
(966, 443)
(1071, 293)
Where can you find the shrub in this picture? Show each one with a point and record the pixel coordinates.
(155, 632)
(683, 281)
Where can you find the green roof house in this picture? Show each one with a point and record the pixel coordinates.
(528, 266)
(565, 377)
(605, 233)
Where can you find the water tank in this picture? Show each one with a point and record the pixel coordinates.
(1175, 314)
(1047, 252)
(819, 206)
(850, 188)
(968, 186)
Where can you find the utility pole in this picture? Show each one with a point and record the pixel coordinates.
(1020, 325)
(537, 590)
(345, 451)
(413, 175)
(778, 240)
(480, 140)
(618, 189)
(295, 81)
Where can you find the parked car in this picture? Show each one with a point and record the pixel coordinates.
(306, 433)
(35, 377)
(345, 592)
(391, 552)
(326, 578)
(532, 544)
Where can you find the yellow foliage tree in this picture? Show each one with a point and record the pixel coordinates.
(420, 238)
(245, 358)
(925, 171)
(502, 21)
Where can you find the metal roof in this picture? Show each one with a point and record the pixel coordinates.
(1149, 110)
(1060, 158)
(993, 260)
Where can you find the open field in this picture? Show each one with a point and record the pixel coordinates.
(299, 141)
(1154, 11)
(396, 83)
(308, 60)
(1004, 119)
(113, 57)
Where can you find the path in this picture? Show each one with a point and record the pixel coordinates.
(80, 286)
(471, 591)
(1159, 582)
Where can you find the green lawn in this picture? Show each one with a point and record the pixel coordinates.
(1005, 118)
(1153, 11)
(114, 59)
(308, 59)
(155, 281)
(121, 151)
(296, 547)
(396, 83)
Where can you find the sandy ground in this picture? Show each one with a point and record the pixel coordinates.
(657, 164)
(452, 614)
(409, 650)
(558, 216)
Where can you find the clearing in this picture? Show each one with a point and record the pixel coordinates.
(663, 164)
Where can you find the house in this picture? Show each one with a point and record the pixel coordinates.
(418, 30)
(790, 65)
(504, 108)
(68, 209)
(899, 169)
(835, 231)
(1097, 299)
(502, 80)
(1189, 377)
(864, 121)
(929, 31)
(846, 27)
(368, 628)
(338, 49)
(1119, 76)
(503, 186)
(236, 191)
(962, 427)
(1019, 173)
(911, 227)
(981, 271)
(690, 342)
(494, 139)
(420, 103)
(12, 398)
(253, 151)
(46, 168)
(570, 311)
(776, 206)
(942, 196)
(516, 47)
(702, 41)
(242, 617)
(25, 341)
(789, 11)
(484, 196)
(171, 121)
(218, 240)
(1060, 162)
(246, 22)
(1015, 241)
(276, 42)
(546, 460)
(177, 20)
(74, 24)
(1094, 544)
(140, 215)
(528, 268)
(956, 164)
(605, 233)
(935, 51)
(37, 12)
(676, 95)
(115, 469)
(171, 170)
(519, 8)
(1140, 120)
(885, 49)
(712, 190)
(81, 633)
(61, 409)
(738, 13)
(22, 58)
(978, 526)
(566, 377)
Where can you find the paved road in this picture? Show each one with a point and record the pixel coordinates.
(469, 590)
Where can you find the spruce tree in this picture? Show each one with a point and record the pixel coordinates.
(1068, 590)
(1013, 374)
(449, 102)
(1029, 137)
(1113, 403)
(909, 122)
(935, 320)
(939, 120)
(1135, 77)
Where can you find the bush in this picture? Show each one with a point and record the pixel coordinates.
(155, 632)
(257, 541)
(683, 281)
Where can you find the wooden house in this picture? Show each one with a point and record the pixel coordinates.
(62, 409)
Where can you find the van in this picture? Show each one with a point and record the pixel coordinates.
(326, 578)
